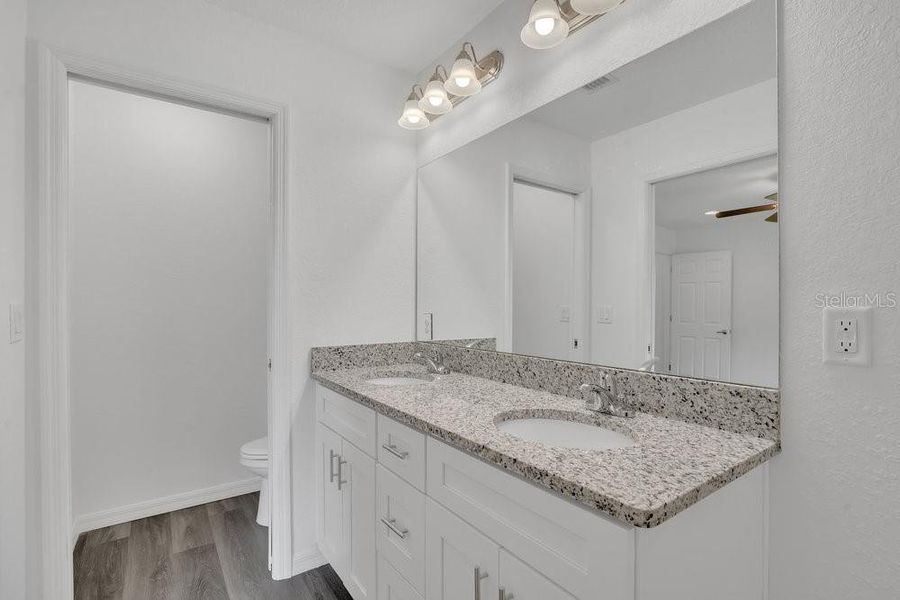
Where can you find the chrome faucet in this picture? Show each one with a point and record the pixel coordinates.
(605, 398)
(439, 368)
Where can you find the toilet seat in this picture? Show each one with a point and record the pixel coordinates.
(257, 450)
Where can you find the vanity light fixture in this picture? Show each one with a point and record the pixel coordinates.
(595, 7)
(442, 92)
(463, 81)
(546, 27)
(552, 21)
(413, 117)
(435, 99)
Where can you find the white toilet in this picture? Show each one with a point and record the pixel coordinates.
(255, 456)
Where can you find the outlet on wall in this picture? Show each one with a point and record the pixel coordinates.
(847, 336)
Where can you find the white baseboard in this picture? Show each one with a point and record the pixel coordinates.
(158, 506)
(308, 560)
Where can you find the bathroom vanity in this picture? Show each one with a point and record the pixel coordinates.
(422, 496)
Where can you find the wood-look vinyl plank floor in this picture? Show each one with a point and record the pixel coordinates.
(210, 552)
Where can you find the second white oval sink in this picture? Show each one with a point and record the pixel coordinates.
(565, 434)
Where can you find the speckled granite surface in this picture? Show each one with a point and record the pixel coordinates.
(726, 406)
(672, 466)
(361, 355)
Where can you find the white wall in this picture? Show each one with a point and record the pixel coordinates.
(754, 304)
(462, 223)
(736, 126)
(168, 296)
(835, 530)
(351, 171)
(15, 545)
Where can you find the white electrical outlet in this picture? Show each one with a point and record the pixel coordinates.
(427, 326)
(847, 336)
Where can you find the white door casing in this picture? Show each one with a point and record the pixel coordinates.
(701, 315)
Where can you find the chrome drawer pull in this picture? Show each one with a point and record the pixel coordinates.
(331, 466)
(401, 454)
(340, 474)
(478, 577)
(392, 525)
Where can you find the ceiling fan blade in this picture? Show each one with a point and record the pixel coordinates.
(773, 218)
(745, 211)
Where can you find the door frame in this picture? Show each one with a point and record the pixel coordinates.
(581, 313)
(48, 291)
(647, 286)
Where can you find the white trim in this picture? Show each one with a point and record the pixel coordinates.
(150, 508)
(48, 301)
(309, 560)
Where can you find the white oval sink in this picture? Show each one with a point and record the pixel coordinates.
(398, 381)
(565, 434)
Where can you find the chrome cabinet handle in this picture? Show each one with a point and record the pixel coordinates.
(392, 525)
(723, 331)
(504, 595)
(401, 454)
(331, 466)
(340, 473)
(478, 577)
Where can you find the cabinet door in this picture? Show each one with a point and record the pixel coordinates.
(401, 526)
(330, 503)
(392, 586)
(357, 484)
(518, 581)
(461, 563)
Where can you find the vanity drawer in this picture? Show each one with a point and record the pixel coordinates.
(349, 419)
(401, 527)
(581, 550)
(402, 450)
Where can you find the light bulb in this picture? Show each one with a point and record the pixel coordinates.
(463, 80)
(413, 117)
(545, 25)
(435, 100)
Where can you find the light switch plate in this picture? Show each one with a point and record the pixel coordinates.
(16, 323)
(605, 314)
(847, 336)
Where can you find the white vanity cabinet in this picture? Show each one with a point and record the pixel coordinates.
(346, 494)
(430, 522)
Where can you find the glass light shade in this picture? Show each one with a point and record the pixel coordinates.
(594, 7)
(413, 117)
(545, 28)
(435, 100)
(463, 81)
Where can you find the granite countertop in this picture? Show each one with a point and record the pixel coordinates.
(673, 464)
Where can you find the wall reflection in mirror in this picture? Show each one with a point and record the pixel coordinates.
(631, 223)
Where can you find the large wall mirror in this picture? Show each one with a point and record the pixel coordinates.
(631, 223)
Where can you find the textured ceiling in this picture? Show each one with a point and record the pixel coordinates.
(681, 202)
(404, 34)
(727, 55)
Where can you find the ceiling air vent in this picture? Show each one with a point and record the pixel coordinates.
(600, 82)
